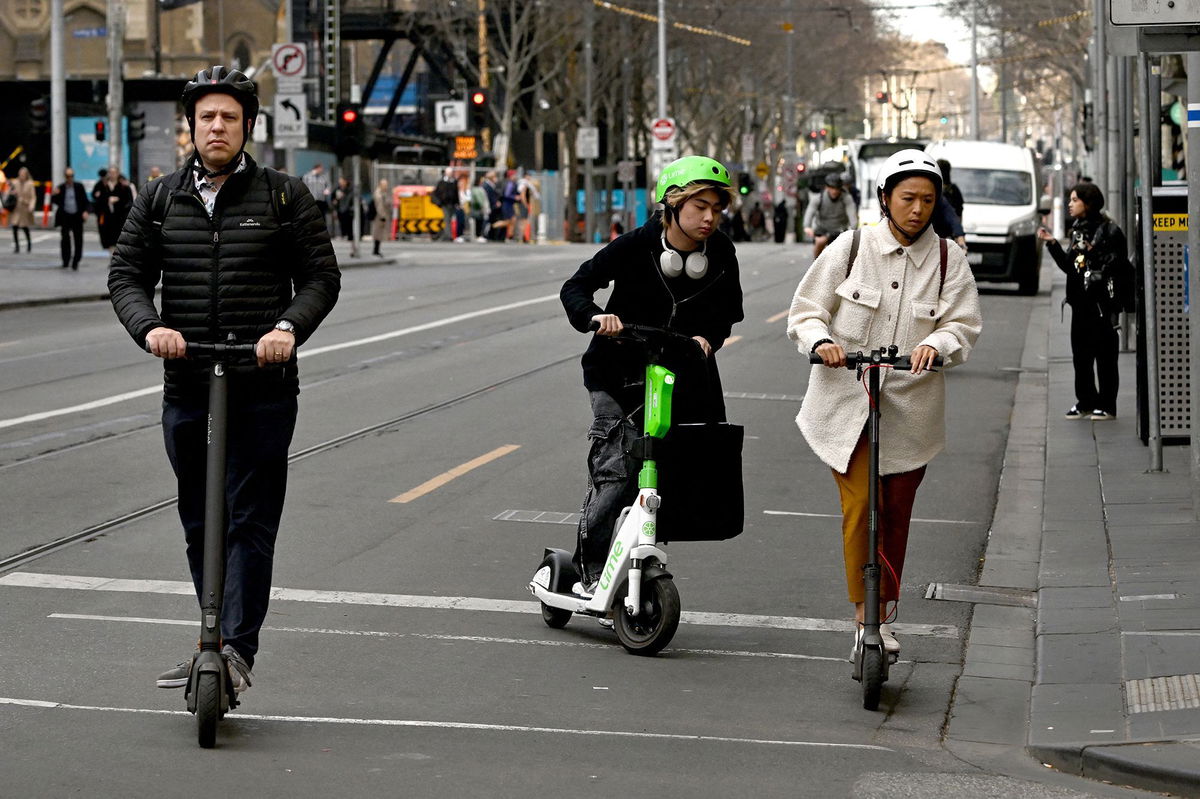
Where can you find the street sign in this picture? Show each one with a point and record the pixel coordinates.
(1154, 12)
(626, 171)
(450, 116)
(289, 59)
(465, 148)
(762, 170)
(747, 148)
(663, 130)
(291, 120)
(587, 143)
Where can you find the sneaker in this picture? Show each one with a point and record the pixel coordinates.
(890, 644)
(1102, 416)
(177, 677)
(606, 623)
(239, 670)
(1074, 413)
(858, 633)
(584, 591)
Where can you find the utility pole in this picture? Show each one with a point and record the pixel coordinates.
(589, 24)
(58, 93)
(662, 59)
(484, 66)
(975, 133)
(116, 88)
(1193, 286)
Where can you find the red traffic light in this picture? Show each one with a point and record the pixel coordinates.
(478, 97)
(349, 115)
(881, 97)
(801, 167)
(101, 130)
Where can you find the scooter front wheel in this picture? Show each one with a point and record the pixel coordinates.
(872, 676)
(208, 708)
(658, 617)
(556, 618)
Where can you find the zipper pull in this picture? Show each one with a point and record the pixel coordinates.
(216, 237)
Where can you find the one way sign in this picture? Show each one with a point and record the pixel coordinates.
(291, 120)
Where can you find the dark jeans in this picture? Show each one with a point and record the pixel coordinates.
(260, 432)
(1094, 344)
(612, 484)
(72, 233)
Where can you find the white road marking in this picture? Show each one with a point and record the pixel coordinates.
(470, 639)
(300, 353)
(838, 516)
(182, 588)
(448, 725)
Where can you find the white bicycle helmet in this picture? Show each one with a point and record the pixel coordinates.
(906, 164)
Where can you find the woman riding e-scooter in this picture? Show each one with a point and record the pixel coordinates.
(676, 272)
(893, 283)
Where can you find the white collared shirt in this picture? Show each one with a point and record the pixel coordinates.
(207, 188)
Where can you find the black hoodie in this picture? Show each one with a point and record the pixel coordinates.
(641, 294)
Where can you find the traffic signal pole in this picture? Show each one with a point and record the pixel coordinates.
(58, 93)
(116, 89)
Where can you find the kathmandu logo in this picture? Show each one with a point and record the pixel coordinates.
(249, 223)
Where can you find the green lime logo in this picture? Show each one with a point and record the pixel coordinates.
(648, 529)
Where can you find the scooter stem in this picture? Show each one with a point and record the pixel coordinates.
(213, 582)
(871, 574)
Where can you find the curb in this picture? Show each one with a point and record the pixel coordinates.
(1165, 766)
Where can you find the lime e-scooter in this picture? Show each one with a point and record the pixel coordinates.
(210, 694)
(635, 589)
(871, 661)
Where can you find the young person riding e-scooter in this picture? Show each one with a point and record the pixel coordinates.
(676, 272)
(895, 283)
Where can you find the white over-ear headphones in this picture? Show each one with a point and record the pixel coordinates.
(673, 264)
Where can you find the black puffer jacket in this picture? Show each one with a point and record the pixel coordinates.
(239, 272)
(1101, 246)
(641, 294)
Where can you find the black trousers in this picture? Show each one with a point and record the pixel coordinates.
(259, 434)
(612, 484)
(1094, 345)
(71, 231)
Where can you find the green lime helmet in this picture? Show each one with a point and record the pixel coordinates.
(691, 169)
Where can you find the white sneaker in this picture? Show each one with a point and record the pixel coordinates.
(890, 644)
(580, 590)
(854, 649)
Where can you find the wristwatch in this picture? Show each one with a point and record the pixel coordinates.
(285, 326)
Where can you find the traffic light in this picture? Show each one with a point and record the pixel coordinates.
(478, 102)
(812, 135)
(349, 130)
(944, 119)
(822, 133)
(801, 168)
(1088, 134)
(101, 130)
(745, 184)
(881, 98)
(39, 116)
(136, 125)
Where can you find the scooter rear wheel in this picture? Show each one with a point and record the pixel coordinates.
(658, 617)
(872, 676)
(208, 708)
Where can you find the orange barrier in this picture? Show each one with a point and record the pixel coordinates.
(46, 206)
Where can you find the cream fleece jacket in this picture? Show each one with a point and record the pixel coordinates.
(890, 297)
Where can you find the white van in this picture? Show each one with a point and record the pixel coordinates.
(1001, 189)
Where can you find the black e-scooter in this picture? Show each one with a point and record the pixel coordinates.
(210, 693)
(871, 661)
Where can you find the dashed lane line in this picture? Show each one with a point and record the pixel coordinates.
(449, 725)
(182, 588)
(470, 639)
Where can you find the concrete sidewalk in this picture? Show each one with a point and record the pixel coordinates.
(37, 278)
(1090, 659)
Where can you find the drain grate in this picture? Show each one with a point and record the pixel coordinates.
(538, 516)
(1177, 692)
(982, 595)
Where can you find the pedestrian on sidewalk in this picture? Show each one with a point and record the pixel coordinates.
(445, 196)
(260, 283)
(70, 201)
(343, 203)
(1099, 287)
(903, 286)
(111, 201)
(381, 222)
(23, 205)
(678, 271)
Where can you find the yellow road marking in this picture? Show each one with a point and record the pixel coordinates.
(731, 340)
(773, 319)
(458, 471)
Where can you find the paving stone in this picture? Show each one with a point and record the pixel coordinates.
(1006, 637)
(1054, 621)
(989, 710)
(1087, 597)
(1002, 617)
(1078, 658)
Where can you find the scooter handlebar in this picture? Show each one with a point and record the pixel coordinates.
(214, 352)
(645, 332)
(884, 357)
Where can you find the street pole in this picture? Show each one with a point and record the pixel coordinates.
(116, 89)
(1100, 105)
(975, 133)
(289, 153)
(58, 93)
(589, 21)
(662, 59)
(1149, 292)
(1193, 275)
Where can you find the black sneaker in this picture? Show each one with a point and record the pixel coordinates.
(1102, 416)
(239, 669)
(177, 676)
(1075, 413)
